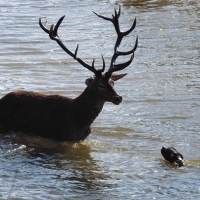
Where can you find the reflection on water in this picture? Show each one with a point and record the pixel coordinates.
(72, 161)
(146, 4)
(121, 158)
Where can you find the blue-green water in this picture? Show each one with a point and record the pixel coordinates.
(161, 101)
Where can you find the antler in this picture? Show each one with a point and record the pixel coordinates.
(54, 36)
(115, 20)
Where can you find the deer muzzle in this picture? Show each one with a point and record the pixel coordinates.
(117, 100)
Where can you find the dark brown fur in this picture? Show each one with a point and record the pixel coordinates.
(56, 116)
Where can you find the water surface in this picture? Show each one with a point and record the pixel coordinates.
(121, 157)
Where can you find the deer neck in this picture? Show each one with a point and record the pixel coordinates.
(89, 105)
(84, 110)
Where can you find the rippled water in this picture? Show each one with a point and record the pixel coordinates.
(121, 157)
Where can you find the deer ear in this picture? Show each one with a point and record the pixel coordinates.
(116, 77)
(89, 81)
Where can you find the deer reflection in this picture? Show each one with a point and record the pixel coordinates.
(70, 163)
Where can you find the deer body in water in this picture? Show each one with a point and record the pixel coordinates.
(60, 117)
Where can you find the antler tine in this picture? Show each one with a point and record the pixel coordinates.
(104, 65)
(117, 14)
(131, 29)
(121, 53)
(103, 17)
(115, 20)
(55, 31)
(56, 27)
(122, 66)
(119, 67)
(42, 26)
(53, 34)
(119, 11)
(57, 39)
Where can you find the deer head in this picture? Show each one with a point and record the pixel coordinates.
(102, 82)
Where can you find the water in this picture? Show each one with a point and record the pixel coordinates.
(121, 158)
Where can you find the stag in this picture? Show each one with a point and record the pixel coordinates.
(60, 117)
